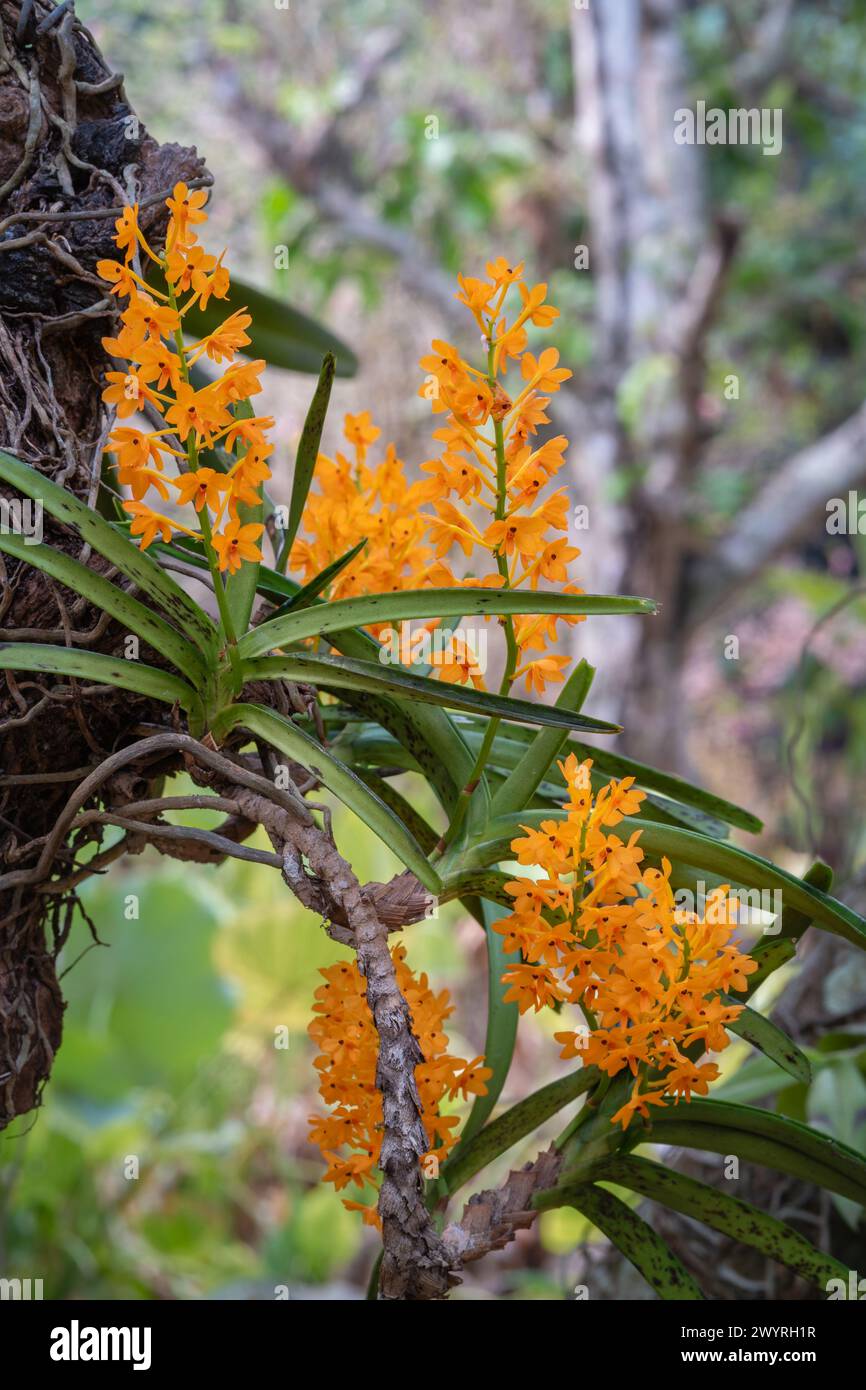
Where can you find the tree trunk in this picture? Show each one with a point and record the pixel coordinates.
(655, 270)
(71, 154)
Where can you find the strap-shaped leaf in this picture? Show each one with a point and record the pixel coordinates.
(502, 1021)
(426, 735)
(480, 883)
(773, 1042)
(522, 783)
(403, 809)
(770, 955)
(283, 734)
(110, 542)
(468, 1158)
(111, 599)
(777, 1140)
(721, 1212)
(338, 672)
(428, 603)
(757, 1148)
(641, 1245)
(437, 746)
(794, 923)
(283, 336)
(758, 1080)
(425, 732)
(106, 670)
(666, 812)
(305, 459)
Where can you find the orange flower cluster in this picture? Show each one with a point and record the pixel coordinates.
(601, 932)
(491, 461)
(345, 1033)
(359, 502)
(356, 502)
(151, 341)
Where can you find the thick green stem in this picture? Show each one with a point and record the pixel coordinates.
(226, 623)
(586, 1112)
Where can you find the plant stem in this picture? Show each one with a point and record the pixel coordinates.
(228, 629)
(463, 800)
(586, 1112)
(222, 600)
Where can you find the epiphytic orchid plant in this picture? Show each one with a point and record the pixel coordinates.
(591, 919)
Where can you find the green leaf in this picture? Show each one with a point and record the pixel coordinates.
(242, 585)
(756, 1148)
(403, 809)
(794, 922)
(107, 670)
(659, 808)
(733, 1217)
(283, 734)
(507, 1129)
(110, 542)
(502, 1020)
(757, 1079)
(111, 599)
(769, 1039)
(305, 459)
(522, 783)
(283, 336)
(631, 1235)
(338, 673)
(424, 733)
(481, 883)
(427, 603)
(770, 955)
(776, 1140)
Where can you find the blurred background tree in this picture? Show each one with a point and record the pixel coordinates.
(713, 310)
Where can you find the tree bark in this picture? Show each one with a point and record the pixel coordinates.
(649, 236)
(72, 153)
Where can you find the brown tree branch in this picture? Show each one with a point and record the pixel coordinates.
(782, 512)
(492, 1218)
(415, 1266)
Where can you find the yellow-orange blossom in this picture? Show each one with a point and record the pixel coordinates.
(602, 932)
(597, 931)
(151, 340)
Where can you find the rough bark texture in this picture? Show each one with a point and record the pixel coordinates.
(492, 1218)
(71, 153)
(415, 1265)
(648, 229)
